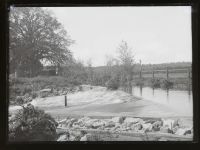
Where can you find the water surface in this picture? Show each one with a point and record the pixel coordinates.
(180, 101)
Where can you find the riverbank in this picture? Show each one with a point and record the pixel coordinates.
(101, 104)
(122, 129)
(98, 101)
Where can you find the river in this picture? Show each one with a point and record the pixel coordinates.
(180, 101)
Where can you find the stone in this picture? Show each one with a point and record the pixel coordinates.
(182, 131)
(132, 120)
(188, 132)
(168, 123)
(60, 132)
(165, 130)
(98, 123)
(72, 138)
(84, 138)
(73, 120)
(75, 126)
(147, 127)
(63, 138)
(76, 133)
(118, 119)
(137, 127)
(128, 124)
(62, 121)
(175, 129)
(162, 139)
(89, 123)
(109, 124)
(45, 90)
(116, 127)
(156, 125)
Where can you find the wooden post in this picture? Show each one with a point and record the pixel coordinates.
(140, 69)
(189, 76)
(153, 73)
(167, 73)
(65, 100)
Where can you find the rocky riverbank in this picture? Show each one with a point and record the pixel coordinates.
(122, 128)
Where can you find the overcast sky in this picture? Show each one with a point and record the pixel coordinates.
(156, 34)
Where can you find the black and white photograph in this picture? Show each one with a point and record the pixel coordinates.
(100, 73)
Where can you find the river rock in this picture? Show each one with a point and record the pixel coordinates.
(182, 131)
(98, 123)
(165, 130)
(118, 119)
(116, 127)
(147, 127)
(64, 137)
(73, 120)
(72, 138)
(169, 123)
(137, 127)
(162, 139)
(77, 135)
(62, 121)
(109, 124)
(156, 125)
(89, 123)
(132, 120)
(87, 137)
(84, 138)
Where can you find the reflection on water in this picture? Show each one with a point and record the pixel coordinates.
(179, 101)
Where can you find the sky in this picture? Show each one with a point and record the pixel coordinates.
(155, 34)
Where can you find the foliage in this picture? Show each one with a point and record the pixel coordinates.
(32, 124)
(161, 83)
(155, 83)
(126, 59)
(113, 83)
(36, 36)
(23, 86)
(139, 83)
(167, 84)
(76, 73)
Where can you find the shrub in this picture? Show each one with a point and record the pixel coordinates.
(19, 100)
(27, 89)
(167, 84)
(112, 84)
(32, 124)
(139, 83)
(80, 88)
(155, 83)
(34, 95)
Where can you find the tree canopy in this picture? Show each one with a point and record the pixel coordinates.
(36, 36)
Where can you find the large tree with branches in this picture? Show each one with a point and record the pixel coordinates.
(35, 36)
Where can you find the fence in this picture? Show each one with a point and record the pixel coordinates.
(165, 73)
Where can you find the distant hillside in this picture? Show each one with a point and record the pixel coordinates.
(147, 67)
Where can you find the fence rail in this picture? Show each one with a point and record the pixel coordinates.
(166, 72)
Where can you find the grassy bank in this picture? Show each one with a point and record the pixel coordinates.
(31, 86)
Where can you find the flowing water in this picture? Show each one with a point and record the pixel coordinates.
(180, 101)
